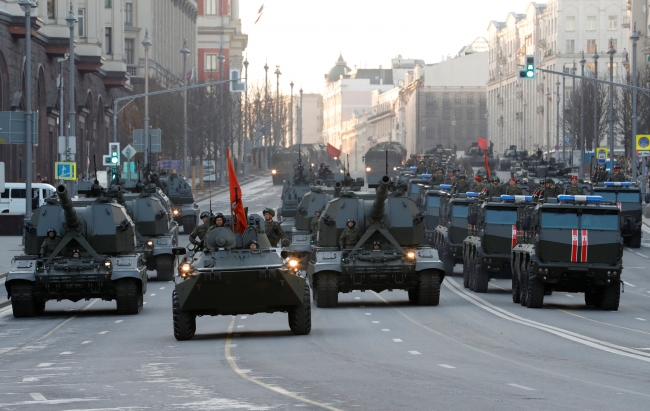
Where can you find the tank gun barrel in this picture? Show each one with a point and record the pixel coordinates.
(377, 210)
(70, 214)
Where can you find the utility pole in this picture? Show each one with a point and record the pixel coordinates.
(564, 119)
(247, 122)
(611, 53)
(185, 52)
(634, 37)
(147, 145)
(548, 124)
(222, 123)
(300, 122)
(291, 116)
(266, 117)
(595, 100)
(582, 116)
(557, 117)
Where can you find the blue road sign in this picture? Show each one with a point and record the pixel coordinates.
(65, 171)
(567, 140)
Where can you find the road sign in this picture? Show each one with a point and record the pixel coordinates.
(128, 152)
(644, 153)
(154, 140)
(602, 154)
(643, 142)
(12, 127)
(567, 140)
(557, 148)
(236, 86)
(65, 171)
(170, 164)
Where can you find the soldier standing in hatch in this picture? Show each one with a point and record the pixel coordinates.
(439, 177)
(314, 221)
(463, 185)
(551, 191)
(617, 176)
(495, 189)
(350, 236)
(573, 189)
(201, 230)
(513, 189)
(422, 168)
(273, 231)
(50, 243)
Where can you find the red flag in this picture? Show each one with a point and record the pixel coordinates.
(333, 151)
(482, 143)
(236, 204)
(487, 165)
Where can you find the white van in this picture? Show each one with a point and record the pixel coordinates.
(13, 198)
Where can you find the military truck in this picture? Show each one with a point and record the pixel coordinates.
(401, 264)
(228, 278)
(296, 186)
(493, 234)
(453, 227)
(283, 161)
(571, 245)
(186, 211)
(108, 266)
(383, 158)
(627, 197)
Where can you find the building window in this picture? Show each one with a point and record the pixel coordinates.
(107, 4)
(108, 40)
(591, 45)
(445, 99)
(470, 114)
(570, 23)
(128, 50)
(470, 98)
(51, 9)
(81, 23)
(609, 68)
(614, 43)
(211, 62)
(430, 133)
(446, 113)
(612, 23)
(458, 114)
(431, 111)
(570, 46)
(430, 99)
(128, 14)
(457, 97)
(482, 100)
(591, 22)
(211, 7)
(457, 133)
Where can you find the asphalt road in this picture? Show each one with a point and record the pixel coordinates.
(473, 352)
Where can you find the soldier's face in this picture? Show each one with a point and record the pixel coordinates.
(267, 216)
(219, 222)
(253, 246)
(205, 220)
(512, 183)
(50, 234)
(350, 224)
(574, 183)
(317, 214)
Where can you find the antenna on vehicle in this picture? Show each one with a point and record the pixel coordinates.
(386, 162)
(347, 169)
(95, 162)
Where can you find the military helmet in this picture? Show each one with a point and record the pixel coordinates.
(51, 230)
(76, 251)
(496, 179)
(376, 243)
(351, 220)
(270, 210)
(253, 241)
(550, 180)
(617, 167)
(462, 176)
(205, 214)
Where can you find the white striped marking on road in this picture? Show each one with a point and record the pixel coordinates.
(568, 295)
(640, 255)
(118, 321)
(522, 387)
(446, 366)
(162, 288)
(37, 396)
(86, 342)
(357, 298)
(103, 332)
(243, 317)
(240, 326)
(385, 329)
(233, 345)
(66, 353)
(368, 314)
(144, 303)
(397, 340)
(636, 268)
(640, 319)
(45, 364)
(628, 284)
(414, 352)
(29, 379)
(377, 322)
(153, 295)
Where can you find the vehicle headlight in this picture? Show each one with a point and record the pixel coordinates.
(107, 264)
(368, 168)
(150, 243)
(176, 212)
(293, 263)
(410, 255)
(342, 171)
(274, 172)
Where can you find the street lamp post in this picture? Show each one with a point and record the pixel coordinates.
(146, 43)
(564, 119)
(27, 6)
(548, 124)
(291, 115)
(634, 37)
(573, 115)
(300, 123)
(595, 100)
(523, 137)
(222, 154)
(557, 117)
(265, 145)
(185, 52)
(277, 133)
(611, 53)
(582, 116)
(247, 124)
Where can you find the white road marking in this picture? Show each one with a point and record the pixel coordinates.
(233, 345)
(626, 283)
(522, 387)
(368, 314)
(45, 364)
(118, 321)
(103, 332)
(153, 295)
(357, 298)
(414, 352)
(640, 255)
(385, 329)
(397, 340)
(636, 268)
(568, 295)
(640, 319)
(162, 288)
(446, 366)
(66, 353)
(240, 326)
(86, 342)
(29, 379)
(144, 303)
(37, 396)
(243, 317)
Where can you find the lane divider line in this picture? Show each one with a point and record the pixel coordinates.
(601, 322)
(522, 387)
(236, 369)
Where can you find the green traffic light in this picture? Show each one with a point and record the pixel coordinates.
(114, 160)
(530, 74)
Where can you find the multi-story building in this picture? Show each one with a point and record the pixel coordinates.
(312, 118)
(525, 112)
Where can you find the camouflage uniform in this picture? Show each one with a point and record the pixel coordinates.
(617, 177)
(421, 170)
(314, 224)
(514, 191)
(552, 192)
(199, 231)
(575, 191)
(349, 237)
(494, 191)
(49, 244)
(462, 187)
(274, 232)
(437, 179)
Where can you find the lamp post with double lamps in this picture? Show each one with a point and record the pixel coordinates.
(278, 132)
(146, 43)
(611, 53)
(185, 52)
(635, 38)
(222, 137)
(246, 122)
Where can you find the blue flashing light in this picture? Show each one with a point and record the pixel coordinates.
(471, 194)
(618, 184)
(507, 197)
(412, 168)
(445, 186)
(580, 199)
(426, 175)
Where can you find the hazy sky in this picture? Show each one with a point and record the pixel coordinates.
(304, 37)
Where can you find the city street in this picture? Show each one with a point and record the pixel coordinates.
(374, 351)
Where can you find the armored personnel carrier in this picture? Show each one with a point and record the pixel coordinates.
(493, 234)
(400, 263)
(228, 278)
(296, 186)
(429, 204)
(178, 190)
(108, 266)
(453, 228)
(627, 197)
(572, 245)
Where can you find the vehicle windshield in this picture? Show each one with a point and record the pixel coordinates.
(459, 210)
(599, 222)
(559, 220)
(433, 201)
(501, 217)
(628, 197)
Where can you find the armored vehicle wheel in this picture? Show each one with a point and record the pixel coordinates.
(327, 290)
(23, 302)
(165, 267)
(481, 278)
(189, 223)
(635, 240)
(466, 265)
(128, 296)
(413, 296)
(184, 322)
(429, 288)
(535, 294)
(448, 263)
(610, 297)
(523, 284)
(592, 297)
(300, 316)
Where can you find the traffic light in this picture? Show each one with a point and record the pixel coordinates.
(114, 153)
(528, 72)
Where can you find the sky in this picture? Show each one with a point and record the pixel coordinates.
(305, 37)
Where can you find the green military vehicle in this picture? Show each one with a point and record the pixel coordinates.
(429, 205)
(399, 263)
(185, 210)
(95, 258)
(627, 197)
(417, 184)
(384, 158)
(572, 245)
(228, 278)
(453, 227)
(493, 234)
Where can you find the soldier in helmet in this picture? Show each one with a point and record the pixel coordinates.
(350, 236)
(600, 175)
(439, 177)
(422, 168)
(512, 187)
(253, 245)
(573, 189)
(617, 176)
(314, 221)
(376, 246)
(273, 230)
(50, 243)
(550, 190)
(495, 189)
(462, 186)
(199, 232)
